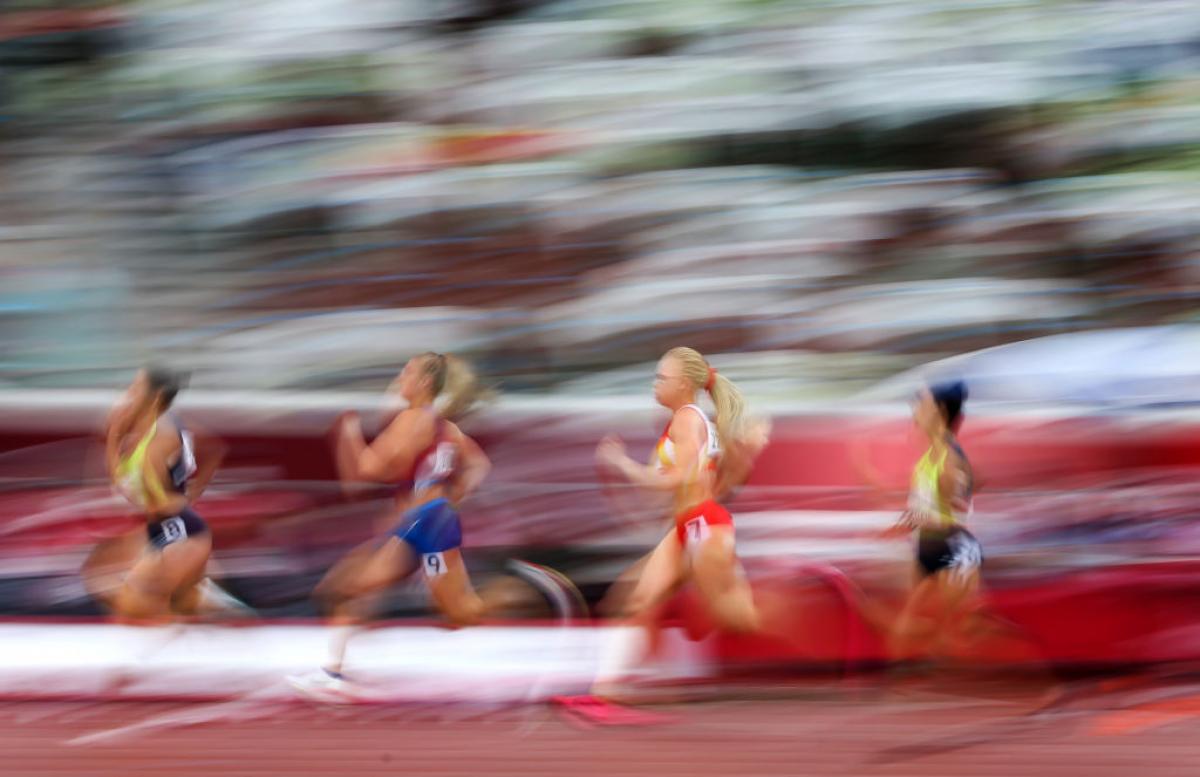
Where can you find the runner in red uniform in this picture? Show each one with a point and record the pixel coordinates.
(692, 464)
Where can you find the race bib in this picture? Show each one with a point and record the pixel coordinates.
(696, 531)
(966, 555)
(434, 564)
(173, 530)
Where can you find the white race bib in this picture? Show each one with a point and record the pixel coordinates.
(173, 530)
(434, 564)
(695, 532)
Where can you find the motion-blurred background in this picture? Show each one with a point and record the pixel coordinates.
(832, 199)
(284, 194)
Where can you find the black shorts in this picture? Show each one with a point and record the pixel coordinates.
(952, 548)
(177, 528)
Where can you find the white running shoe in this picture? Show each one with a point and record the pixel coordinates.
(218, 600)
(323, 685)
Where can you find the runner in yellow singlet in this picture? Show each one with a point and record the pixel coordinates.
(151, 459)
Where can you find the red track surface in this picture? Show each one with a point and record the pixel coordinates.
(1124, 728)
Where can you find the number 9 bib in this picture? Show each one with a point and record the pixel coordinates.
(434, 564)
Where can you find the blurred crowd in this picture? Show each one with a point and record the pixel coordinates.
(297, 195)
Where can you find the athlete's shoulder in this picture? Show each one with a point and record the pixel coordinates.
(450, 431)
(413, 418)
(689, 417)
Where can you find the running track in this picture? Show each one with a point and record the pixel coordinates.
(1124, 727)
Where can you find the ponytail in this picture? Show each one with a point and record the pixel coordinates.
(726, 397)
(741, 437)
(731, 407)
(455, 381)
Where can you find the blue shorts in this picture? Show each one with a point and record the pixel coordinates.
(431, 528)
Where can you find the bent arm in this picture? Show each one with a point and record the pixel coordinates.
(210, 452)
(391, 453)
(475, 468)
(687, 434)
(156, 474)
(117, 425)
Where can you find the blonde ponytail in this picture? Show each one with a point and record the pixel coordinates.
(726, 397)
(731, 408)
(455, 380)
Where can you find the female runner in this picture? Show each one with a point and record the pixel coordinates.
(948, 557)
(436, 466)
(945, 613)
(944, 609)
(151, 458)
(690, 465)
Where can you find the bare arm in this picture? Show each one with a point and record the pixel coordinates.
(156, 473)
(475, 468)
(210, 451)
(955, 481)
(686, 433)
(739, 456)
(117, 425)
(391, 453)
